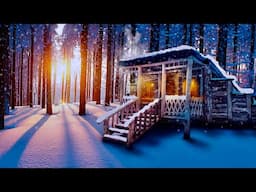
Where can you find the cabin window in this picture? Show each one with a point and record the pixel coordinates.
(194, 89)
(174, 83)
(150, 88)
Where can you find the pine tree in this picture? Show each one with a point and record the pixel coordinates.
(252, 56)
(62, 87)
(31, 67)
(75, 88)
(28, 75)
(47, 44)
(39, 80)
(83, 50)
(190, 35)
(119, 54)
(98, 65)
(201, 38)
(133, 29)
(68, 73)
(154, 37)
(235, 43)
(109, 65)
(13, 95)
(167, 36)
(21, 77)
(184, 35)
(222, 45)
(54, 81)
(44, 65)
(3, 69)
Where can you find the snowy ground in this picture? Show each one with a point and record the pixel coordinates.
(65, 140)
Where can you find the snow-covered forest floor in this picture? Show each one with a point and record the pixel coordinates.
(66, 140)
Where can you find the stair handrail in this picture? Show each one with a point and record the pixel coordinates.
(116, 110)
(143, 110)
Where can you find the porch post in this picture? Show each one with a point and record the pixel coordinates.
(187, 105)
(139, 85)
(163, 89)
(121, 89)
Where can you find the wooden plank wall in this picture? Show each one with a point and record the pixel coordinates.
(219, 99)
(240, 111)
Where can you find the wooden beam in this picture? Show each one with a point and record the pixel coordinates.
(229, 92)
(121, 85)
(139, 85)
(163, 90)
(249, 106)
(155, 64)
(187, 105)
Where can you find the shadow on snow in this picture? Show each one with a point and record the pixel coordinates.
(12, 156)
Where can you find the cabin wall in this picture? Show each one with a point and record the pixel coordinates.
(225, 106)
(218, 98)
(240, 111)
(253, 111)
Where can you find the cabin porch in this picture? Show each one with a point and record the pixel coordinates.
(178, 84)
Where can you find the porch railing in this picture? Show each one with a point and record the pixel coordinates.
(115, 116)
(175, 106)
(143, 120)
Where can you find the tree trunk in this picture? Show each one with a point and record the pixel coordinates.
(44, 67)
(190, 34)
(120, 52)
(88, 87)
(133, 29)
(31, 67)
(62, 88)
(83, 50)
(201, 38)
(3, 66)
(167, 36)
(75, 88)
(18, 93)
(94, 72)
(235, 41)
(47, 44)
(7, 73)
(222, 45)
(112, 93)
(28, 76)
(54, 82)
(184, 35)
(21, 77)
(98, 65)
(252, 55)
(109, 65)
(13, 98)
(68, 75)
(154, 37)
(39, 81)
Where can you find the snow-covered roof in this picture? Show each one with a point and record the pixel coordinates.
(180, 52)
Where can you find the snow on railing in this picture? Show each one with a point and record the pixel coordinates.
(143, 110)
(116, 110)
(227, 76)
(128, 98)
(143, 120)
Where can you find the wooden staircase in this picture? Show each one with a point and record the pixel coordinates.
(126, 123)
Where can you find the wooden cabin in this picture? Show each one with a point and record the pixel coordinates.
(180, 84)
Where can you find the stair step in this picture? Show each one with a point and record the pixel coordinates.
(115, 137)
(121, 125)
(123, 131)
